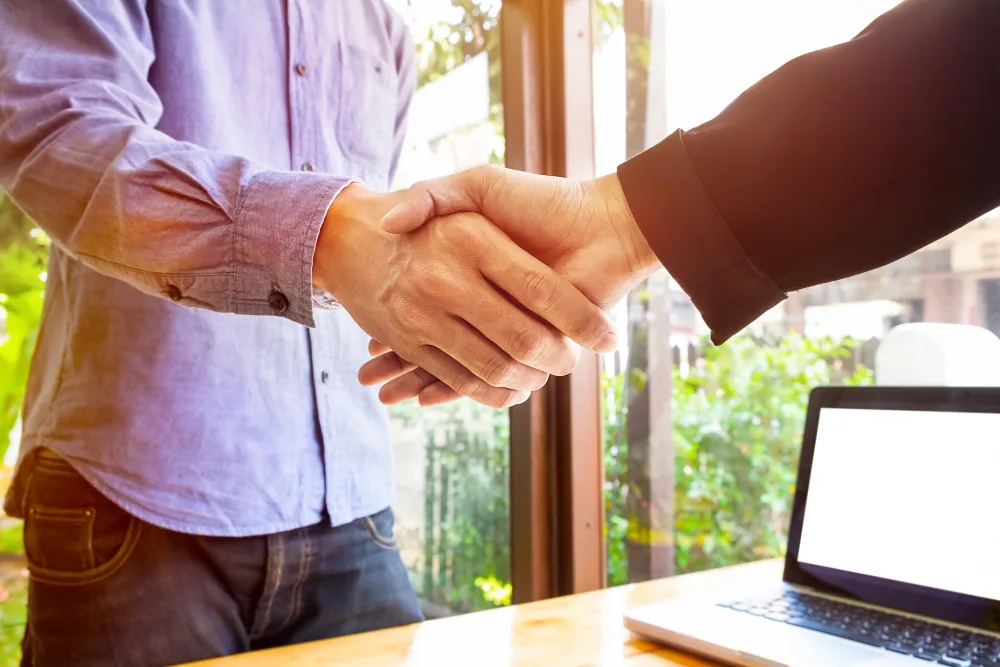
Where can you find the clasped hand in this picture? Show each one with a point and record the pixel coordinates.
(482, 280)
(455, 297)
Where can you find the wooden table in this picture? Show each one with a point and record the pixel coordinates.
(576, 630)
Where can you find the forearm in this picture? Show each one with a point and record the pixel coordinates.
(79, 153)
(839, 162)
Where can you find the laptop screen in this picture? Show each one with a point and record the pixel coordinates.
(897, 501)
(908, 496)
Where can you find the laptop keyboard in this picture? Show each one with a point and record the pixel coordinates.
(928, 641)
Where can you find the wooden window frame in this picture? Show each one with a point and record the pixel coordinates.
(556, 445)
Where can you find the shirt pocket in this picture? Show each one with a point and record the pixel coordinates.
(367, 111)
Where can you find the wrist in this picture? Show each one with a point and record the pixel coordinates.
(641, 258)
(349, 234)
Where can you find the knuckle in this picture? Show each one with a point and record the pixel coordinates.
(412, 383)
(437, 281)
(408, 320)
(527, 345)
(593, 326)
(462, 234)
(486, 171)
(497, 398)
(540, 288)
(408, 347)
(474, 388)
(499, 370)
(507, 399)
(568, 357)
(420, 186)
(466, 385)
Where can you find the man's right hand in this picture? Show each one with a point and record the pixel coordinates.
(457, 298)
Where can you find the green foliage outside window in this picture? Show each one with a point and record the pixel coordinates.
(737, 420)
(23, 255)
(463, 561)
(737, 427)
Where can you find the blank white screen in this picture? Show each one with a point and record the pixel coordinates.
(907, 496)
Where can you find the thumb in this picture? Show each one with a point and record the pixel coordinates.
(423, 201)
(411, 213)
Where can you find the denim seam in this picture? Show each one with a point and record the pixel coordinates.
(275, 564)
(377, 537)
(306, 560)
(297, 584)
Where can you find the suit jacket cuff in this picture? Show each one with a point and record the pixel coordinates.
(692, 241)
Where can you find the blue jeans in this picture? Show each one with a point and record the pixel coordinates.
(109, 589)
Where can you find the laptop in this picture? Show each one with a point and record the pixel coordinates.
(894, 545)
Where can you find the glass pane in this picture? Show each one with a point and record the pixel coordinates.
(452, 491)
(702, 442)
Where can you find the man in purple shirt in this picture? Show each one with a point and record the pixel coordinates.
(201, 472)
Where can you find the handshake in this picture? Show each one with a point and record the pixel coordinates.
(481, 284)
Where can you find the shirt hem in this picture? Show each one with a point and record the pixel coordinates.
(107, 491)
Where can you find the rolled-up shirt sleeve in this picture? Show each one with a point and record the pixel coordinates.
(80, 153)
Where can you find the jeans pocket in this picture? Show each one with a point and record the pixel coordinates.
(380, 529)
(72, 534)
(57, 538)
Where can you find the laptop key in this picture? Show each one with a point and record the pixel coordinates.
(836, 632)
(954, 662)
(927, 641)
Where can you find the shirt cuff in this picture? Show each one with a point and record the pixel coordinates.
(277, 227)
(693, 241)
(324, 300)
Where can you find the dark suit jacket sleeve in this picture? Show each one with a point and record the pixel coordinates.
(841, 161)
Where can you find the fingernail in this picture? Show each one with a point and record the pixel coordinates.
(608, 343)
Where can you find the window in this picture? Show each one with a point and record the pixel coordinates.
(452, 461)
(701, 442)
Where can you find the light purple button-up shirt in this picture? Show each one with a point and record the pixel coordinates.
(182, 155)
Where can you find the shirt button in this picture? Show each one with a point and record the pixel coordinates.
(324, 376)
(301, 69)
(278, 302)
(173, 292)
(308, 166)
